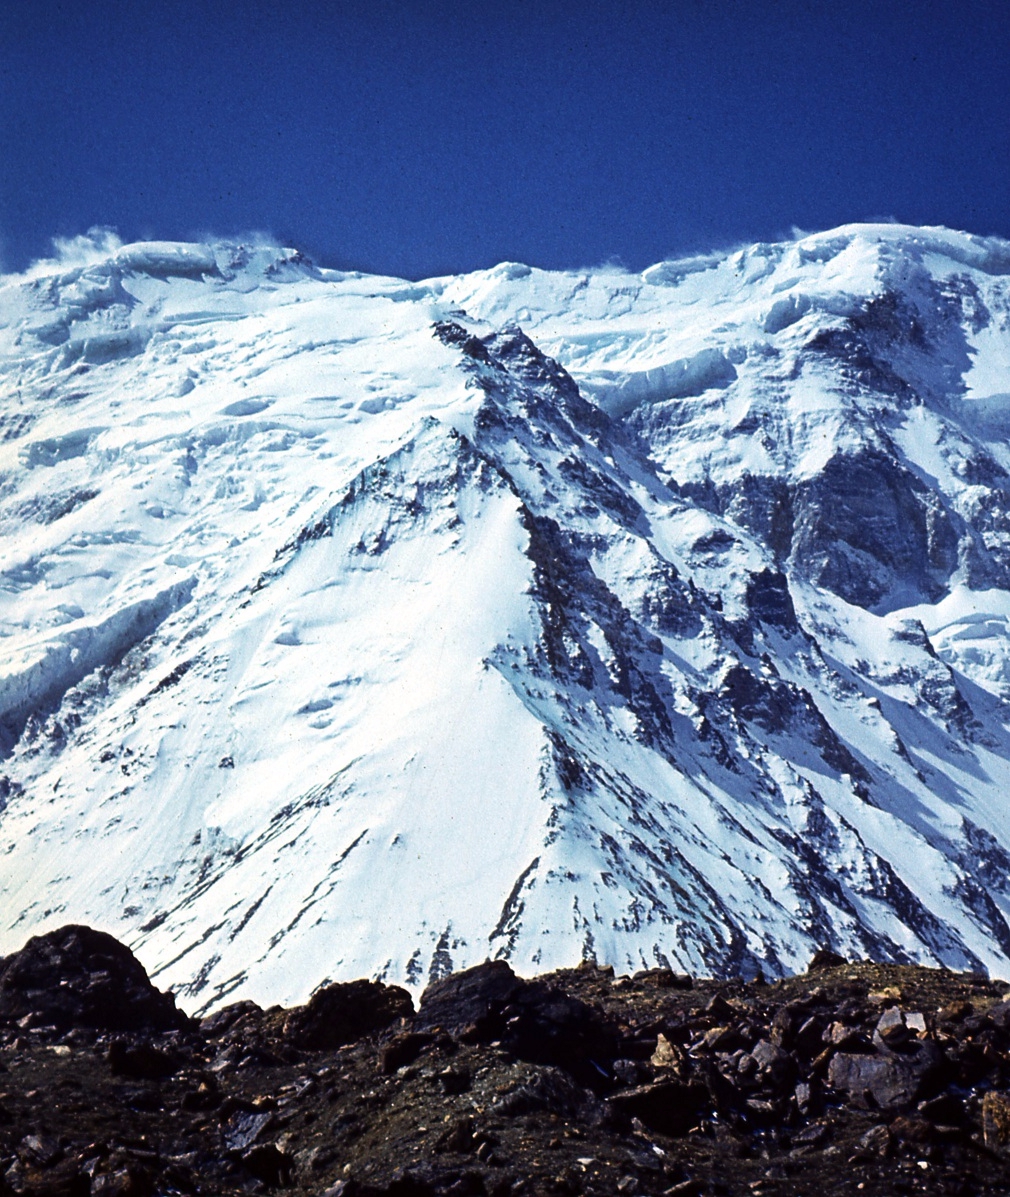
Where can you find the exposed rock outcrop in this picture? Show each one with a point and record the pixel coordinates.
(79, 977)
(851, 1078)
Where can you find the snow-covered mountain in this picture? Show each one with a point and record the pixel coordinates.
(354, 626)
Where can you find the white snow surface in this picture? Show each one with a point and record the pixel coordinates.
(343, 633)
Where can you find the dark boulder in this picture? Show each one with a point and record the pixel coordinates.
(269, 1164)
(533, 1020)
(471, 1001)
(549, 1091)
(79, 977)
(669, 1107)
(343, 1013)
(141, 1061)
(402, 1050)
(996, 1121)
(64, 1180)
(824, 958)
(663, 978)
(132, 1181)
(244, 1127)
(885, 1082)
(998, 1015)
(455, 1081)
(776, 1068)
(224, 1020)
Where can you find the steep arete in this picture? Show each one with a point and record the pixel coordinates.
(349, 633)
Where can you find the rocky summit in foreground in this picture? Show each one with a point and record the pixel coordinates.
(354, 627)
(849, 1079)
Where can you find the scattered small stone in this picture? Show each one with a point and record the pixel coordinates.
(885, 996)
(663, 978)
(996, 1121)
(891, 1029)
(812, 1135)
(666, 1054)
(955, 1012)
(876, 1143)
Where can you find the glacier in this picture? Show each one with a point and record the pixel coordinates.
(358, 626)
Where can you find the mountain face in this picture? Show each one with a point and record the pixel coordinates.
(354, 626)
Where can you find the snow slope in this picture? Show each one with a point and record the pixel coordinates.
(349, 630)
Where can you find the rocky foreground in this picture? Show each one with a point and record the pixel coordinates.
(853, 1078)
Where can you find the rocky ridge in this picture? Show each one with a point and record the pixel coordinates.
(850, 1078)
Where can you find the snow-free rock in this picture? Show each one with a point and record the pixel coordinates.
(885, 1081)
(537, 1022)
(339, 1014)
(79, 977)
(714, 1088)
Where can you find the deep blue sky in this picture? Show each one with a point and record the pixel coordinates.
(421, 138)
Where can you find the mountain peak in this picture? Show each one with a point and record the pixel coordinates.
(356, 626)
